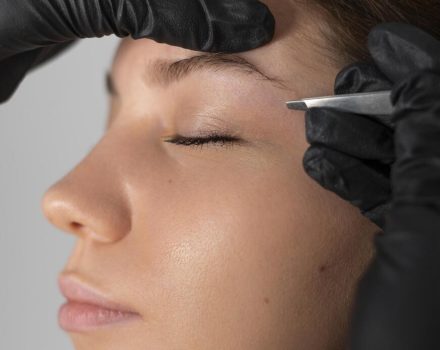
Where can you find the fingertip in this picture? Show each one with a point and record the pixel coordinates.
(382, 38)
(400, 48)
(312, 161)
(378, 31)
(249, 26)
(361, 77)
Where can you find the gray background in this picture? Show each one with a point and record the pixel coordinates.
(54, 119)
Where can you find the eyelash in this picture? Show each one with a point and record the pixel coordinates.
(212, 138)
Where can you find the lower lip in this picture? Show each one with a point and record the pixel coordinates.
(80, 317)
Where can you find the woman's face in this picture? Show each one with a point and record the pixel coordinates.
(220, 246)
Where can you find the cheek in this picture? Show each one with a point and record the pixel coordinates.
(231, 234)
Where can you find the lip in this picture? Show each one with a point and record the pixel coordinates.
(87, 309)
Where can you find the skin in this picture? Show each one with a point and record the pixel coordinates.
(216, 247)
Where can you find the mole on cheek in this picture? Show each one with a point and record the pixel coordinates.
(322, 268)
(170, 181)
(266, 300)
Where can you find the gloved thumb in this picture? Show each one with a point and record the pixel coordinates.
(399, 49)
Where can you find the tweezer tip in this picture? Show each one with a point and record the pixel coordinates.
(297, 105)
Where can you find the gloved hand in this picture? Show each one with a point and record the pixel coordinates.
(34, 31)
(398, 300)
(351, 154)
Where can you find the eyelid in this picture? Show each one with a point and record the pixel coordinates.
(210, 122)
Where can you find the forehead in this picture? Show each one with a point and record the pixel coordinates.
(295, 54)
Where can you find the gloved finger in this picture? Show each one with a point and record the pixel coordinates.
(50, 52)
(13, 69)
(377, 214)
(208, 25)
(361, 77)
(365, 184)
(11, 76)
(353, 134)
(364, 77)
(399, 49)
(202, 25)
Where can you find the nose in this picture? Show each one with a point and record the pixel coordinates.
(89, 202)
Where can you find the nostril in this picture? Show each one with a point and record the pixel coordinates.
(76, 226)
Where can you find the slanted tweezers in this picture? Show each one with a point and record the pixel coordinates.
(368, 103)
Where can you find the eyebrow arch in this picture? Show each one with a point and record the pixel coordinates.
(164, 72)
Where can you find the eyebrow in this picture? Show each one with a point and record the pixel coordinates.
(164, 72)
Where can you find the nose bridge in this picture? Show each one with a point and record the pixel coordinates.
(90, 200)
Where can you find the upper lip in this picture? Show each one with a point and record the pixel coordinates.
(74, 290)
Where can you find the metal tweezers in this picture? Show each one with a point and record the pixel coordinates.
(377, 104)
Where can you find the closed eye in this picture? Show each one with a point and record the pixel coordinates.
(214, 139)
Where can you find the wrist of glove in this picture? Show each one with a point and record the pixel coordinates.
(27, 26)
(398, 298)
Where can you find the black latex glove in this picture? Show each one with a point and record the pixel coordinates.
(352, 154)
(33, 31)
(398, 301)
(390, 168)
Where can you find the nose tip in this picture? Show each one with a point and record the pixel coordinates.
(50, 207)
(94, 221)
(58, 214)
